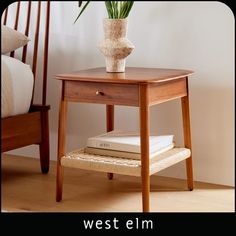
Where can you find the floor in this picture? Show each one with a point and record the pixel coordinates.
(24, 188)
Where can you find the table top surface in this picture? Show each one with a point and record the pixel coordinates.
(132, 75)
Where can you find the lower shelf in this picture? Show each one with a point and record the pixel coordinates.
(80, 159)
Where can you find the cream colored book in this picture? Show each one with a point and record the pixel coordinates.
(128, 142)
(129, 155)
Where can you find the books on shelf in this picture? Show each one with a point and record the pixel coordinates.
(122, 154)
(127, 144)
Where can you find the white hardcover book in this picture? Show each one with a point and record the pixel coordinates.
(128, 141)
(127, 155)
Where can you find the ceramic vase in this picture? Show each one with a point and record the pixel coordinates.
(115, 47)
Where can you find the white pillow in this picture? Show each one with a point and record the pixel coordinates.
(17, 86)
(11, 39)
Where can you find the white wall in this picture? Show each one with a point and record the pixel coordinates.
(187, 35)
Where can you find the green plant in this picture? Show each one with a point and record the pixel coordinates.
(115, 9)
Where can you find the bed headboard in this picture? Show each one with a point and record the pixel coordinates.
(36, 28)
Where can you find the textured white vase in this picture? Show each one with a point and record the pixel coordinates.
(115, 47)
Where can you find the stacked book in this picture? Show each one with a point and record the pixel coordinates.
(127, 145)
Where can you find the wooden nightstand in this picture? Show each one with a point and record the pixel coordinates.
(139, 87)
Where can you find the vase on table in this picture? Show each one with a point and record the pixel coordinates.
(115, 46)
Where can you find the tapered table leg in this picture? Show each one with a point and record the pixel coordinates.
(44, 145)
(110, 127)
(144, 136)
(187, 138)
(61, 144)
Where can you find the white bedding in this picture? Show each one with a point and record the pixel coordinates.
(17, 87)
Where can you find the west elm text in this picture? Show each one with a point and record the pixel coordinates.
(114, 224)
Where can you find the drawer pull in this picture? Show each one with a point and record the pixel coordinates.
(99, 93)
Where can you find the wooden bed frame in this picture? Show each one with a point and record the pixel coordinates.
(31, 128)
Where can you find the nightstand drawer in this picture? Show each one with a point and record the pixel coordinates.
(103, 93)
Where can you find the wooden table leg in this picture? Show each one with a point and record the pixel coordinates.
(144, 136)
(187, 138)
(61, 144)
(44, 145)
(110, 126)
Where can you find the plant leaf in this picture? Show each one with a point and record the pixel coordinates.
(82, 11)
(115, 9)
(109, 9)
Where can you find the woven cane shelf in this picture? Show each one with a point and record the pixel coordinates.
(80, 159)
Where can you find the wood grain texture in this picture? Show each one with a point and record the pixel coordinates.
(163, 92)
(101, 93)
(44, 146)
(21, 130)
(24, 53)
(36, 40)
(132, 75)
(45, 54)
(187, 138)
(144, 116)
(110, 126)
(110, 110)
(61, 143)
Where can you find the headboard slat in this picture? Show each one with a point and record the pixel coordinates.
(5, 16)
(45, 69)
(36, 40)
(32, 28)
(16, 22)
(26, 31)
